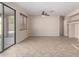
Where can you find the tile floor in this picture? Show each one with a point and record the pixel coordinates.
(44, 47)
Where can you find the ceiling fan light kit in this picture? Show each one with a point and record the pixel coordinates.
(44, 14)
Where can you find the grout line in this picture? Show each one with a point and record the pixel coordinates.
(75, 46)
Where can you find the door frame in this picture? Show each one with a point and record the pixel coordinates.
(3, 4)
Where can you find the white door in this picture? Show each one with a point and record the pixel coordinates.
(72, 30)
(76, 30)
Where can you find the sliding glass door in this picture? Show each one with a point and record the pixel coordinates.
(1, 27)
(7, 26)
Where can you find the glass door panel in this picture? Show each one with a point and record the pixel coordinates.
(1, 32)
(8, 27)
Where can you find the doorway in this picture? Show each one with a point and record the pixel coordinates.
(7, 26)
(73, 30)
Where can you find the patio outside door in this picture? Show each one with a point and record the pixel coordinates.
(7, 26)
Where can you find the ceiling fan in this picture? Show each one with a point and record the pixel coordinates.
(44, 13)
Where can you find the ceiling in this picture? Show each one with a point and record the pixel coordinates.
(58, 8)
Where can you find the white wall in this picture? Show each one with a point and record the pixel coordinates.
(78, 31)
(45, 26)
(20, 35)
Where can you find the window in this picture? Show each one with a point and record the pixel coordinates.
(23, 22)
